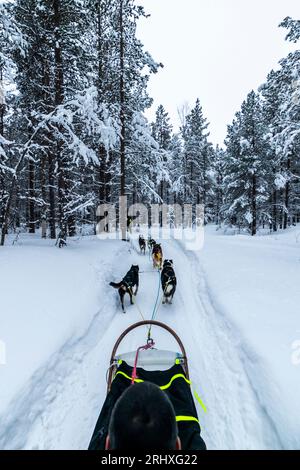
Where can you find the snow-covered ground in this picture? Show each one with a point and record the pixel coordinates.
(235, 310)
(254, 286)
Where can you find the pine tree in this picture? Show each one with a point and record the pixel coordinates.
(162, 133)
(197, 151)
(218, 174)
(247, 168)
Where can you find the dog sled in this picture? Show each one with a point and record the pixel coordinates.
(167, 369)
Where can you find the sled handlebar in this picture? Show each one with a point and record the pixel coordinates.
(112, 367)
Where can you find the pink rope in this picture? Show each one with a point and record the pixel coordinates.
(147, 346)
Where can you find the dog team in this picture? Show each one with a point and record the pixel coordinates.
(130, 283)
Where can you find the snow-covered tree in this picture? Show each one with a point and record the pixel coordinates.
(247, 167)
(198, 153)
(162, 133)
(217, 188)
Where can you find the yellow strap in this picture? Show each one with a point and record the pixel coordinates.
(199, 400)
(163, 387)
(177, 376)
(127, 377)
(187, 418)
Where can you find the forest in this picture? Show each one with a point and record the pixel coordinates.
(73, 134)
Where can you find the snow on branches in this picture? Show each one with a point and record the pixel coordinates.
(80, 118)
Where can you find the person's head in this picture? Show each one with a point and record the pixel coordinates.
(143, 418)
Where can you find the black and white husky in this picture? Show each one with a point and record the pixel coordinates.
(150, 243)
(142, 244)
(130, 281)
(168, 281)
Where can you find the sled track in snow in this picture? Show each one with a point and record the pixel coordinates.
(237, 418)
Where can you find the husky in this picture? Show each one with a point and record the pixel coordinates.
(168, 281)
(142, 243)
(130, 281)
(151, 243)
(157, 256)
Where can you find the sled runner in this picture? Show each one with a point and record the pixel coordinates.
(167, 369)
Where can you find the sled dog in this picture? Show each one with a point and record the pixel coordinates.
(130, 281)
(142, 244)
(157, 256)
(168, 281)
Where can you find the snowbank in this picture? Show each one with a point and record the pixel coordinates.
(48, 296)
(254, 284)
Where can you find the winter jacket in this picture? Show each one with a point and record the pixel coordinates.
(177, 387)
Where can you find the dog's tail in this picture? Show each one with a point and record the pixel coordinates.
(115, 285)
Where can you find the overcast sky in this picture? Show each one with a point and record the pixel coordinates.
(217, 50)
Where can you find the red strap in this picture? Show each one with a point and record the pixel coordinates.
(149, 345)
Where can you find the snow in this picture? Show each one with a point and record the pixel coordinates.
(44, 293)
(235, 310)
(254, 282)
(249, 217)
(280, 181)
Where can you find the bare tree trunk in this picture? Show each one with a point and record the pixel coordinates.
(122, 101)
(253, 204)
(122, 120)
(31, 192)
(274, 211)
(59, 98)
(161, 193)
(51, 214)
(43, 185)
(102, 175)
(8, 205)
(108, 180)
(286, 199)
(101, 75)
(219, 200)
(52, 211)
(191, 183)
(2, 105)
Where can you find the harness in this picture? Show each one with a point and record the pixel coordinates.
(128, 280)
(169, 274)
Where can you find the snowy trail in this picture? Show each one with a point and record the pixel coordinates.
(235, 419)
(60, 405)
